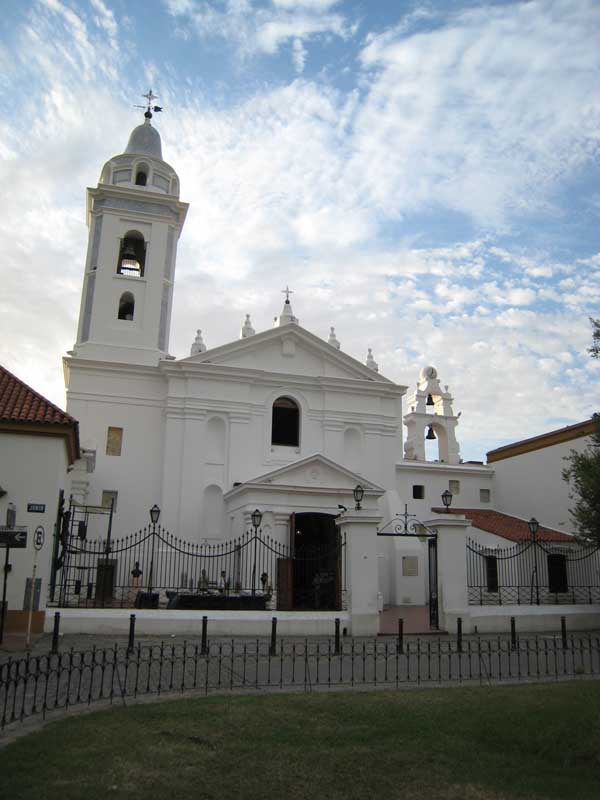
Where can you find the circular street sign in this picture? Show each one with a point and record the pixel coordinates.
(39, 537)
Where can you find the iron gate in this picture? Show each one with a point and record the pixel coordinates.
(407, 525)
(151, 568)
(533, 572)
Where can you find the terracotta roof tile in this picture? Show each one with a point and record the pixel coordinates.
(506, 526)
(21, 403)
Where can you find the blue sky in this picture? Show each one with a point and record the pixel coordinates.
(425, 176)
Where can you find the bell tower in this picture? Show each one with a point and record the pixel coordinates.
(430, 417)
(135, 218)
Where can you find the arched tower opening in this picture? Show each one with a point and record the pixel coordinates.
(132, 255)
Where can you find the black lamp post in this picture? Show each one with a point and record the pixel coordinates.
(447, 500)
(358, 493)
(256, 518)
(154, 517)
(11, 515)
(534, 526)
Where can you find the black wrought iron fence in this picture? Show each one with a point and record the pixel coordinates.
(154, 569)
(38, 685)
(534, 572)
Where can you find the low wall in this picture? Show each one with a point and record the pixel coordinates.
(189, 623)
(533, 619)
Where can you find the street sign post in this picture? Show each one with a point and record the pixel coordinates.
(9, 537)
(13, 537)
(39, 537)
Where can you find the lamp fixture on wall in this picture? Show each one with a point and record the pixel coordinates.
(358, 493)
(447, 499)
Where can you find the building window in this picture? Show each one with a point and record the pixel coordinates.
(454, 487)
(109, 496)
(484, 495)
(418, 492)
(126, 306)
(114, 441)
(141, 175)
(132, 255)
(491, 572)
(557, 573)
(285, 429)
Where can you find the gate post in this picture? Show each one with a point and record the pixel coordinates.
(360, 529)
(452, 568)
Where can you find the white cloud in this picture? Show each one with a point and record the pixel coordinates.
(262, 29)
(485, 113)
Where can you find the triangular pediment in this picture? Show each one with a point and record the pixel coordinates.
(312, 472)
(291, 350)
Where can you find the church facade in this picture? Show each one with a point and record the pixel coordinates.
(279, 420)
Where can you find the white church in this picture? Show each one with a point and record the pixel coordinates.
(331, 453)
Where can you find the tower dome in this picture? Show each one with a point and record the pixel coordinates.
(145, 140)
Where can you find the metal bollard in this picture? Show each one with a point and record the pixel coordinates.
(337, 636)
(273, 647)
(563, 633)
(131, 643)
(513, 634)
(55, 631)
(459, 634)
(204, 645)
(400, 635)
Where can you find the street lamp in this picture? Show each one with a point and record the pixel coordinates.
(154, 514)
(154, 517)
(256, 518)
(358, 493)
(11, 515)
(534, 526)
(447, 500)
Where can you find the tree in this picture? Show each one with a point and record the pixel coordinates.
(583, 471)
(594, 350)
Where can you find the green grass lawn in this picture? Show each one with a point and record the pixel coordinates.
(534, 741)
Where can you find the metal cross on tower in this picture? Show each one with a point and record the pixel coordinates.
(150, 96)
(287, 292)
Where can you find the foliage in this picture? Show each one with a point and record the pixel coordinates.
(594, 350)
(583, 472)
(473, 743)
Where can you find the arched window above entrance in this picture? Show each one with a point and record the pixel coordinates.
(285, 427)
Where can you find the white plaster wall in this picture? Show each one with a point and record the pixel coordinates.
(34, 469)
(531, 484)
(132, 400)
(435, 478)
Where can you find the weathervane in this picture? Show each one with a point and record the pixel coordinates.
(287, 292)
(150, 96)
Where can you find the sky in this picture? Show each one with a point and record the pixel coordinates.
(424, 175)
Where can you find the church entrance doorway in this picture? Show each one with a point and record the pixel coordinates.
(314, 574)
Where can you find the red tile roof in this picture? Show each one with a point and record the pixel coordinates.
(21, 403)
(21, 406)
(506, 526)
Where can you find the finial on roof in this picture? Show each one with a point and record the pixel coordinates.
(371, 363)
(287, 315)
(247, 329)
(198, 346)
(333, 339)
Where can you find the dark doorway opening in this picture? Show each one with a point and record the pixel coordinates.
(317, 562)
